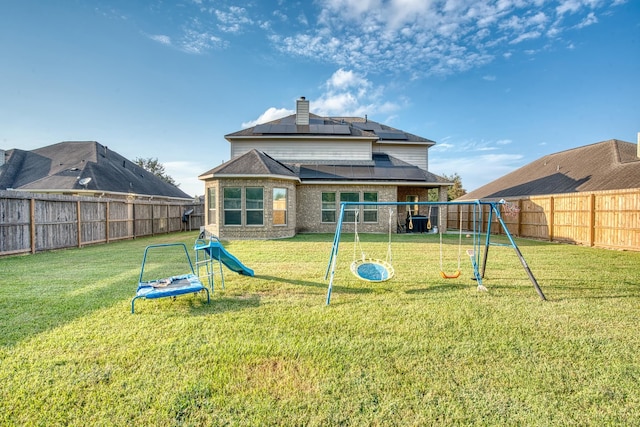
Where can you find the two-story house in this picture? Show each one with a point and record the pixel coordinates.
(290, 175)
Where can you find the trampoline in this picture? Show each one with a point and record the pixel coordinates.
(170, 286)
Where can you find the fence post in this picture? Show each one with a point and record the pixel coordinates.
(79, 225)
(551, 218)
(32, 221)
(519, 218)
(106, 223)
(592, 219)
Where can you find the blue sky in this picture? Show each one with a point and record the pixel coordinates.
(497, 84)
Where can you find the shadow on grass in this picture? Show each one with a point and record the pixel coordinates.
(440, 288)
(321, 285)
(30, 315)
(227, 304)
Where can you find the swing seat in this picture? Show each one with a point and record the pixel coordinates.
(450, 276)
(372, 270)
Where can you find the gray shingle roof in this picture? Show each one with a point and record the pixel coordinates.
(59, 167)
(607, 165)
(381, 168)
(344, 127)
(252, 163)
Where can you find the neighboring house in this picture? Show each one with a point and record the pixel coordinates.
(81, 168)
(607, 165)
(290, 175)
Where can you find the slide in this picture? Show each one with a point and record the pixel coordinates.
(218, 252)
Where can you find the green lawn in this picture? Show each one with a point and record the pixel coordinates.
(416, 350)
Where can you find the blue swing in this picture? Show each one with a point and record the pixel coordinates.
(369, 269)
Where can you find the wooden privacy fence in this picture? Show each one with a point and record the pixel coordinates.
(40, 222)
(606, 219)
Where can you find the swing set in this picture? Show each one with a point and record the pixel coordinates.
(376, 270)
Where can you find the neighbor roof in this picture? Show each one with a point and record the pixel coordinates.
(607, 165)
(63, 166)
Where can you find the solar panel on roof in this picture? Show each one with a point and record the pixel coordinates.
(392, 135)
(275, 129)
(329, 129)
(261, 129)
(370, 126)
(341, 129)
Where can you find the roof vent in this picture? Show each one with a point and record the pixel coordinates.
(302, 111)
(2, 154)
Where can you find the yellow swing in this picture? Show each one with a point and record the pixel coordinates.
(457, 273)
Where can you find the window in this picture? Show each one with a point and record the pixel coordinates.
(350, 211)
(211, 200)
(255, 205)
(412, 208)
(232, 206)
(328, 207)
(370, 213)
(279, 206)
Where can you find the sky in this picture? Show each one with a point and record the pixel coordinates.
(496, 84)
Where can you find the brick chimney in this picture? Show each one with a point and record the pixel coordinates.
(638, 148)
(302, 111)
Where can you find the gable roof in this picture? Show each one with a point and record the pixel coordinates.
(382, 168)
(607, 165)
(339, 127)
(61, 166)
(253, 163)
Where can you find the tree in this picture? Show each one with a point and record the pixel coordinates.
(455, 191)
(152, 165)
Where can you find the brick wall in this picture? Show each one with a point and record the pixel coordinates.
(266, 231)
(309, 208)
(304, 210)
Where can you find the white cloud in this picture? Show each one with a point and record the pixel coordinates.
(348, 93)
(234, 20)
(420, 37)
(568, 6)
(590, 19)
(272, 113)
(345, 93)
(166, 40)
(411, 37)
(525, 36)
(199, 42)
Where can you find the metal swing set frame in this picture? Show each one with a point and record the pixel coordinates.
(481, 241)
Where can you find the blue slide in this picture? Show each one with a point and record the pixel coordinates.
(216, 251)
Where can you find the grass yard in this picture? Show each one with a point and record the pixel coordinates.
(416, 350)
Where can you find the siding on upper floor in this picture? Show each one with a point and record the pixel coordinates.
(312, 149)
(416, 155)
